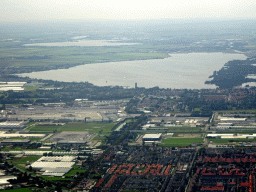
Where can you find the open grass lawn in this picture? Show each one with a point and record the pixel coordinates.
(34, 139)
(175, 142)
(55, 178)
(31, 88)
(47, 128)
(74, 171)
(21, 149)
(101, 137)
(80, 126)
(25, 159)
(90, 127)
(129, 121)
(14, 149)
(22, 162)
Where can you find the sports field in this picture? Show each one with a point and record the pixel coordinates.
(176, 142)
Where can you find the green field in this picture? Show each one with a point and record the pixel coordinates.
(14, 54)
(55, 178)
(30, 88)
(74, 171)
(45, 128)
(91, 127)
(180, 129)
(21, 162)
(103, 129)
(21, 149)
(175, 142)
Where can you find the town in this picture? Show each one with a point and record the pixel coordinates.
(159, 140)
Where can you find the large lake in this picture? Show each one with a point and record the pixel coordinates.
(178, 71)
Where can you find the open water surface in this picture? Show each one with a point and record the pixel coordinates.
(178, 71)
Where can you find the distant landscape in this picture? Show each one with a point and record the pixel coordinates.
(128, 106)
(32, 47)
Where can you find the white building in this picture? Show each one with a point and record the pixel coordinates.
(152, 137)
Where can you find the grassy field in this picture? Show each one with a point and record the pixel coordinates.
(21, 162)
(103, 129)
(21, 149)
(176, 130)
(175, 142)
(91, 127)
(30, 88)
(55, 178)
(14, 53)
(17, 55)
(74, 171)
(49, 128)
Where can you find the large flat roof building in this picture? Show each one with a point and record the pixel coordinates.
(12, 125)
(15, 142)
(54, 166)
(3, 134)
(152, 137)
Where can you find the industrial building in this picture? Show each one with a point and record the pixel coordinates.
(57, 159)
(54, 166)
(231, 136)
(12, 125)
(152, 137)
(15, 142)
(3, 134)
(15, 86)
(232, 119)
(4, 181)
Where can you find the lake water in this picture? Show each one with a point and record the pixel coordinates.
(178, 71)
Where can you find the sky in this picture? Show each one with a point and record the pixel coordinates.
(54, 10)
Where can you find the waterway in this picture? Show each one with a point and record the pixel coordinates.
(177, 71)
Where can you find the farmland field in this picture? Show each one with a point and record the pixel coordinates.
(14, 53)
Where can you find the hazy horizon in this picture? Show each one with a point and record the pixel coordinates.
(66, 10)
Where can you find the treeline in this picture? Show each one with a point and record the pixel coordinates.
(234, 73)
